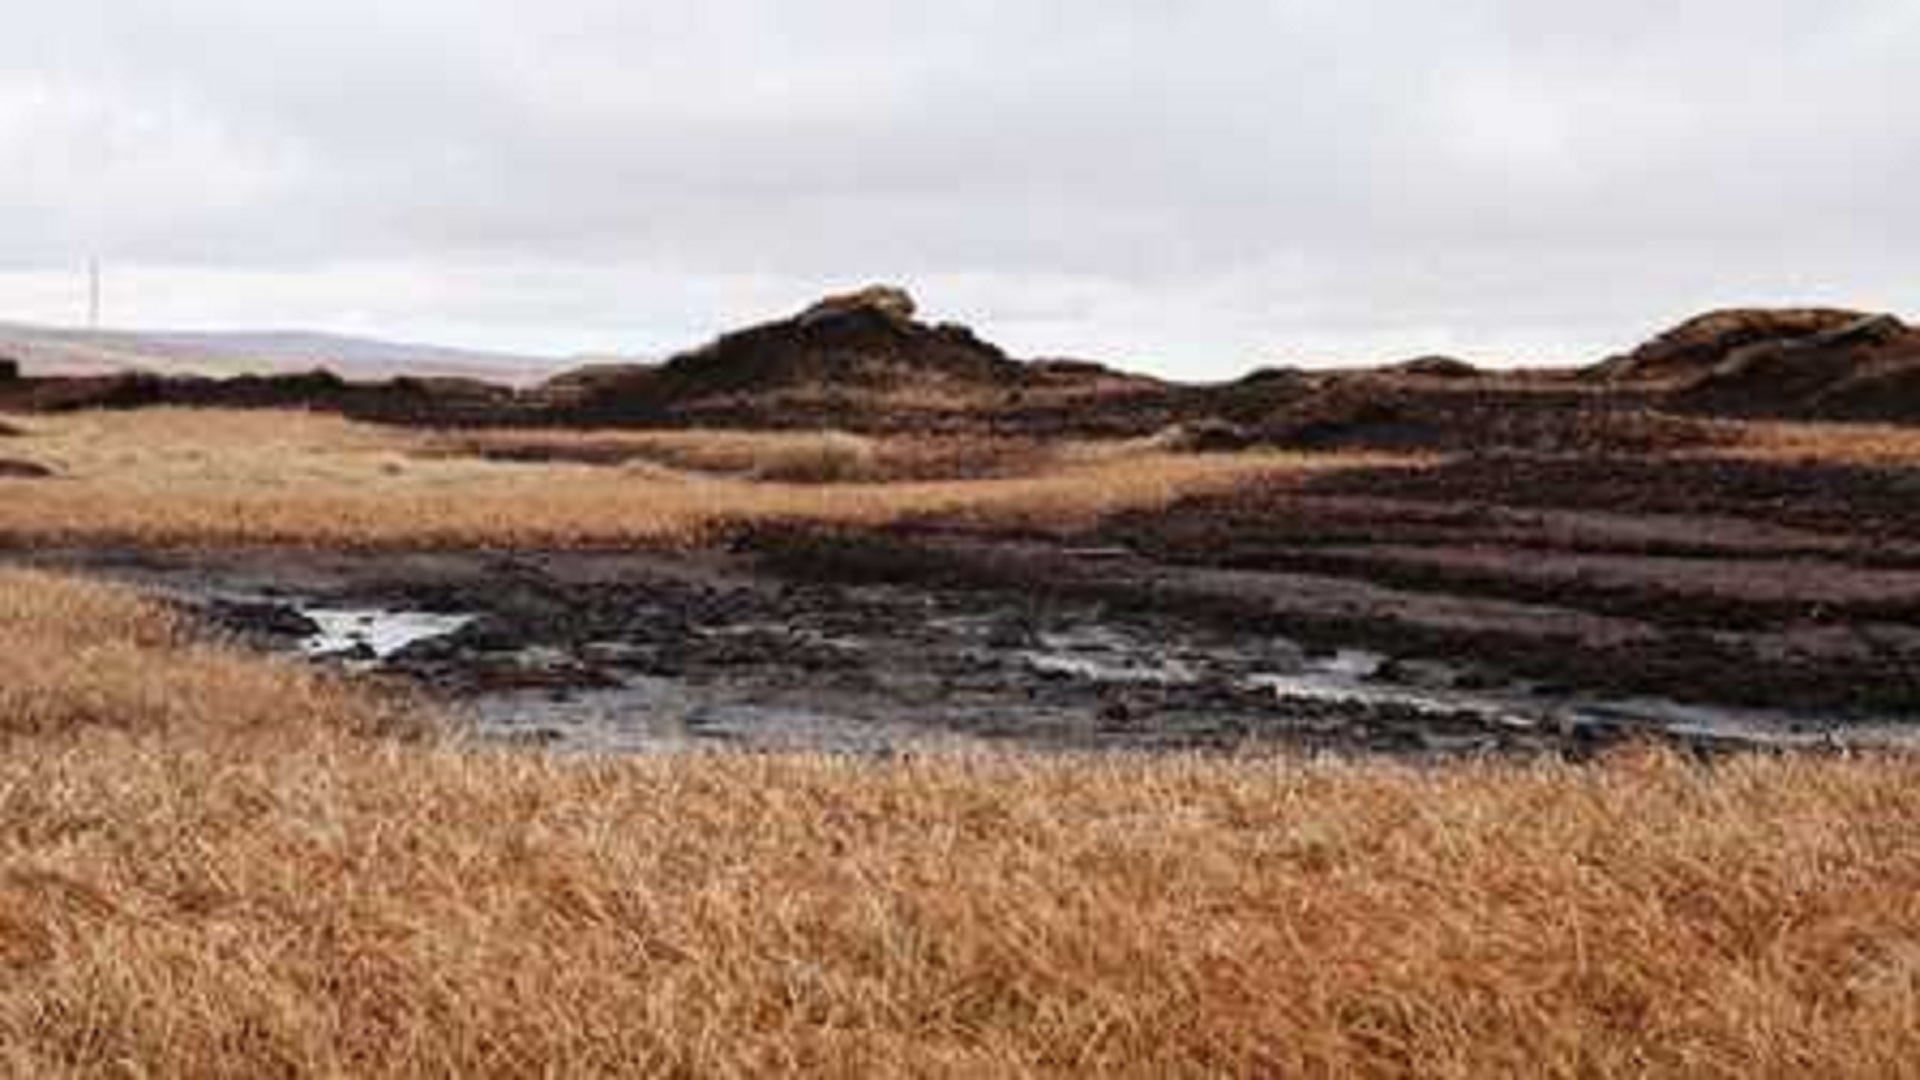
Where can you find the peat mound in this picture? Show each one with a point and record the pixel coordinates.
(1704, 342)
(865, 342)
(596, 383)
(1435, 367)
(1788, 363)
(1248, 402)
(441, 401)
(1887, 391)
(1371, 413)
(868, 340)
(1866, 371)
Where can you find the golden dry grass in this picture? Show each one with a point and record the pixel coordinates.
(206, 869)
(79, 656)
(816, 457)
(1838, 444)
(215, 478)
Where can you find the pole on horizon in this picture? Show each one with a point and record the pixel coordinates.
(93, 294)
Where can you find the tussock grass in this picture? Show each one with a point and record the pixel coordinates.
(228, 878)
(76, 656)
(818, 457)
(209, 478)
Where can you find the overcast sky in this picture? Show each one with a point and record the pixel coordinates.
(1190, 187)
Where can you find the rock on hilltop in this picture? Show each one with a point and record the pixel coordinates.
(890, 300)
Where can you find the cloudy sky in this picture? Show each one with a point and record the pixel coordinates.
(1190, 187)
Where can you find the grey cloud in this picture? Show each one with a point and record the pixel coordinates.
(1196, 186)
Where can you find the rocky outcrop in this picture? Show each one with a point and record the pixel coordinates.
(9, 369)
(889, 300)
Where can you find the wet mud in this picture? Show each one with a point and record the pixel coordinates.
(881, 644)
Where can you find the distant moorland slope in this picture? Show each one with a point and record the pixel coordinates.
(65, 351)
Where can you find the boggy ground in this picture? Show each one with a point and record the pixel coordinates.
(1286, 614)
(648, 652)
(638, 590)
(1780, 575)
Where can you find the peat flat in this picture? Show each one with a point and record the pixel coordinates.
(767, 648)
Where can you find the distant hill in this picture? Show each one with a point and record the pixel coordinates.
(865, 361)
(61, 351)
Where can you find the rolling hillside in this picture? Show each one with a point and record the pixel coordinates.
(57, 350)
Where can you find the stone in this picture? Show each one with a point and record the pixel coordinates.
(889, 300)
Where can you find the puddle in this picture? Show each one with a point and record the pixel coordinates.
(1357, 678)
(1331, 686)
(1354, 663)
(1516, 709)
(1103, 654)
(374, 633)
(1109, 668)
(654, 716)
(1748, 727)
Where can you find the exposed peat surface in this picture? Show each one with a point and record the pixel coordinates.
(921, 639)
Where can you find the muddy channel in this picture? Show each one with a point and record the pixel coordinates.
(633, 653)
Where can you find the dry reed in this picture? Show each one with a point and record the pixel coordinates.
(222, 875)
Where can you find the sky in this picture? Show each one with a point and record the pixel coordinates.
(1190, 187)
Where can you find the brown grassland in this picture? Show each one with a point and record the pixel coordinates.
(218, 864)
(184, 477)
(212, 864)
(1832, 444)
(214, 478)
